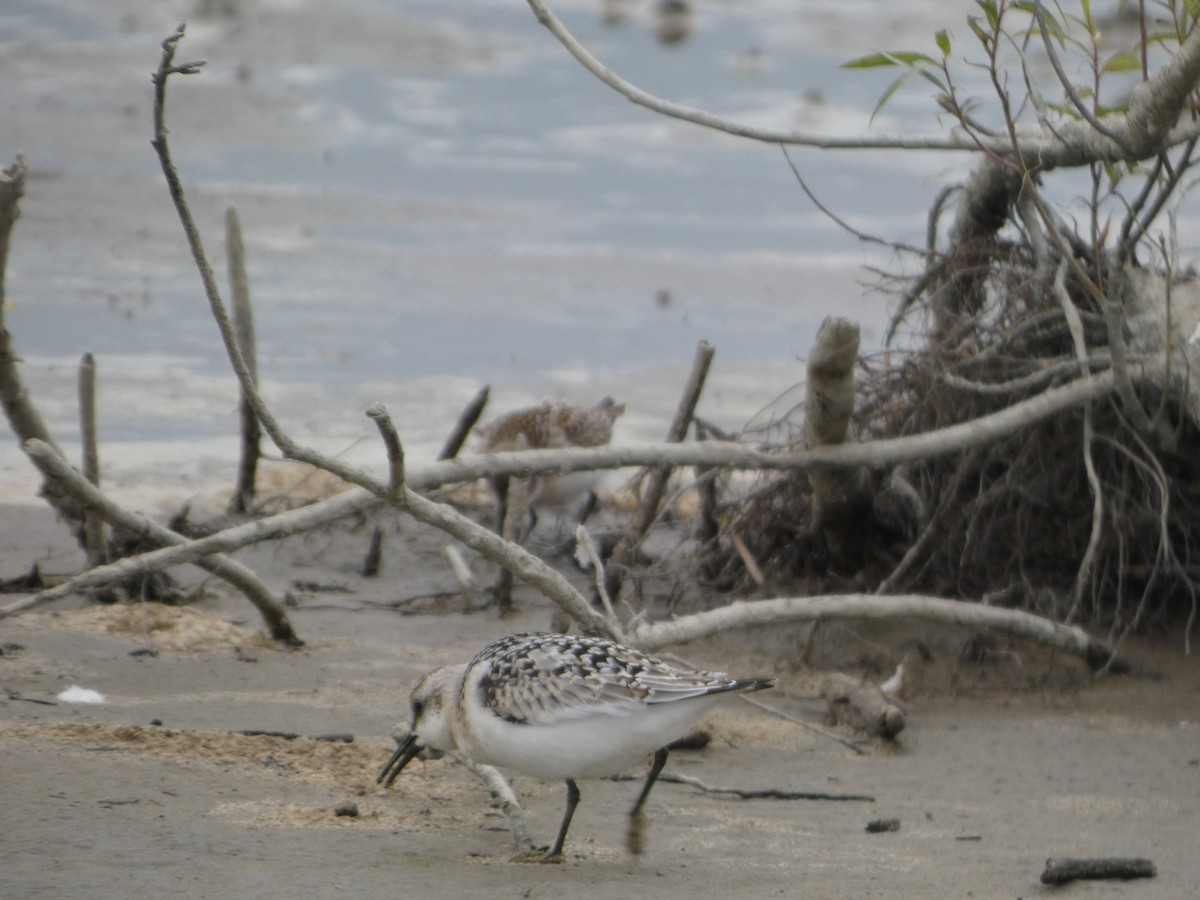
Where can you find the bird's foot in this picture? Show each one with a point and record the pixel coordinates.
(537, 855)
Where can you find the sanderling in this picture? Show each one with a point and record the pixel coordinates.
(562, 706)
(550, 426)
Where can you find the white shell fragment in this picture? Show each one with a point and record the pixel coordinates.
(77, 694)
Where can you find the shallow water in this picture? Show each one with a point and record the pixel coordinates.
(435, 196)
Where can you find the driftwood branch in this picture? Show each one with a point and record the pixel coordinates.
(23, 417)
(740, 614)
(243, 322)
(841, 496)
(862, 706)
(56, 469)
(875, 454)
(93, 525)
(1062, 871)
(538, 462)
(517, 559)
(466, 421)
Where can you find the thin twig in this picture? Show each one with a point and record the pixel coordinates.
(1084, 574)
(466, 421)
(751, 793)
(587, 554)
(815, 729)
(378, 413)
(839, 221)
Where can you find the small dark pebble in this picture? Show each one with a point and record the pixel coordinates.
(143, 651)
(875, 826)
(157, 722)
(349, 808)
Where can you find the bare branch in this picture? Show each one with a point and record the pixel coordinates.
(243, 321)
(742, 614)
(708, 120)
(56, 469)
(878, 454)
(395, 451)
(516, 559)
(1072, 95)
(93, 526)
(466, 421)
(1150, 124)
(1089, 463)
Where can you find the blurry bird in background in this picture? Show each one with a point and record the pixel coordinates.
(549, 426)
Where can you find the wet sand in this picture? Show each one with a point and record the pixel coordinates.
(156, 792)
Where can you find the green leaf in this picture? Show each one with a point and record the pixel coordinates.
(891, 90)
(943, 42)
(909, 57)
(934, 80)
(984, 37)
(989, 10)
(1086, 6)
(871, 61)
(1053, 27)
(890, 58)
(1124, 61)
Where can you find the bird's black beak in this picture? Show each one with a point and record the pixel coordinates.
(404, 753)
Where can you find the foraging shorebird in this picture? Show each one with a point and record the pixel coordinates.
(562, 706)
(550, 426)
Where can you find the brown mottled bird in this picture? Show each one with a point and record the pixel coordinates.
(550, 426)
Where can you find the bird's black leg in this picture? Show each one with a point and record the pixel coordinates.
(634, 839)
(572, 801)
(500, 487)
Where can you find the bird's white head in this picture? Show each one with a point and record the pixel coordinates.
(431, 719)
(431, 707)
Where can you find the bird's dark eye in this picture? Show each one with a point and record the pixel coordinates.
(418, 707)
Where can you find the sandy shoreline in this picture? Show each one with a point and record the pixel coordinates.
(1021, 759)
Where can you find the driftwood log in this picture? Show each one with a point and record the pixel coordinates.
(862, 705)
(1061, 871)
(841, 495)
